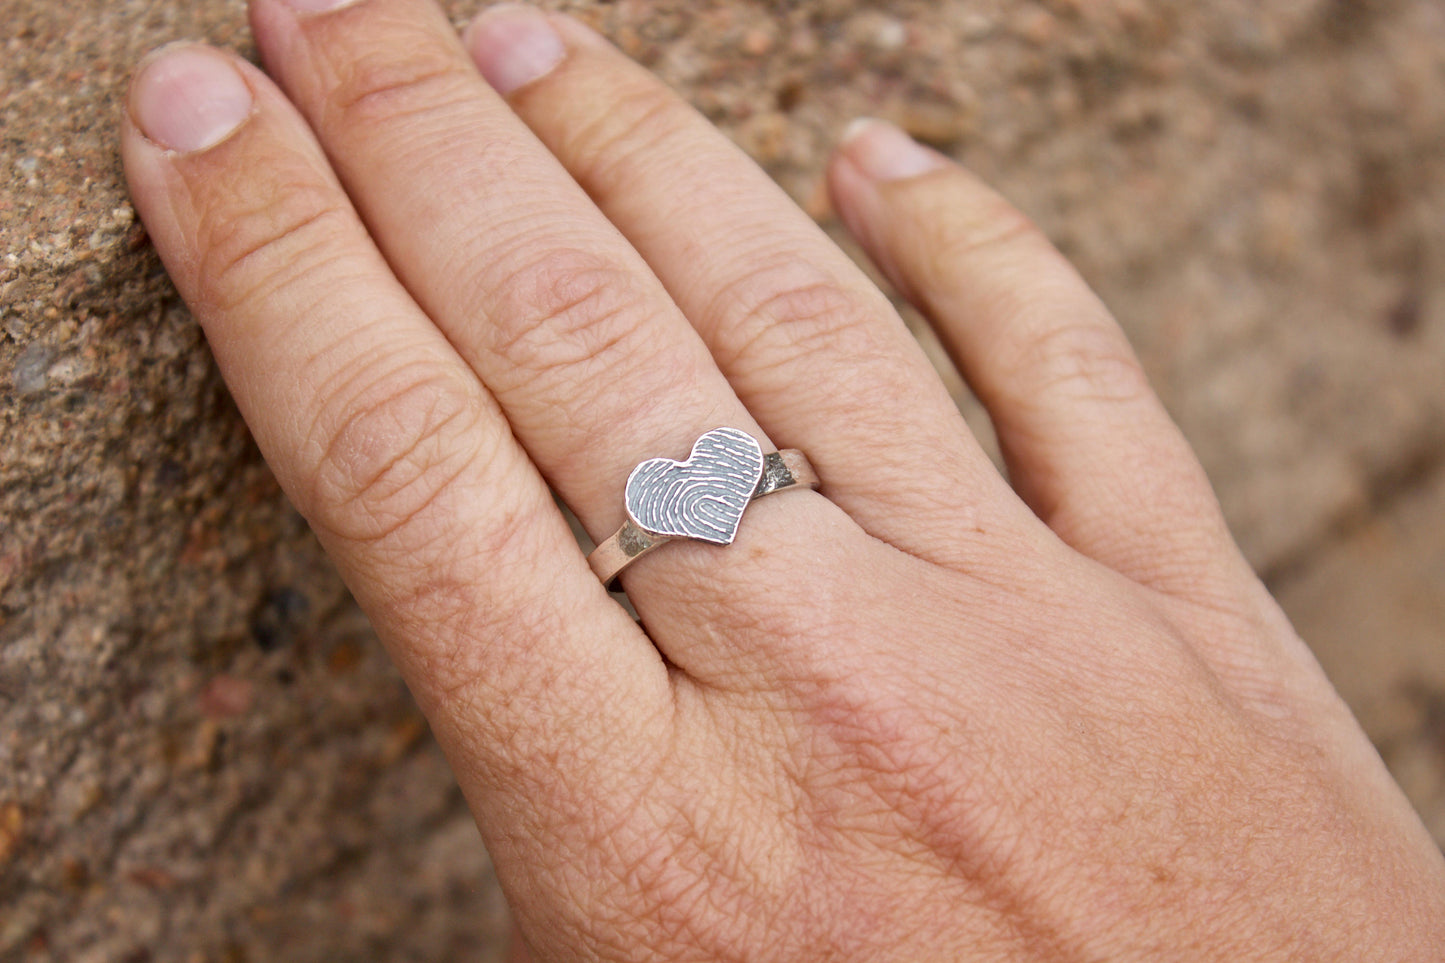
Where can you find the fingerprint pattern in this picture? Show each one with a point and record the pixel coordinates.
(703, 497)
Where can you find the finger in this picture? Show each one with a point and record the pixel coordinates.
(383, 438)
(811, 346)
(593, 364)
(1088, 444)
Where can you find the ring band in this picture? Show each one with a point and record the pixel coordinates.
(702, 498)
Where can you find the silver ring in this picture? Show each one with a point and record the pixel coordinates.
(702, 498)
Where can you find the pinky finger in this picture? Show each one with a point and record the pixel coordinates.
(1088, 444)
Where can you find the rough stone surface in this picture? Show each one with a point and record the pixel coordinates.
(1373, 606)
(203, 754)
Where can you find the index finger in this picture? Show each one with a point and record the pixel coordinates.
(387, 442)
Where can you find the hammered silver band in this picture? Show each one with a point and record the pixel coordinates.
(702, 498)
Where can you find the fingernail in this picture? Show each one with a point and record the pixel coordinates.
(514, 45)
(189, 98)
(317, 6)
(885, 153)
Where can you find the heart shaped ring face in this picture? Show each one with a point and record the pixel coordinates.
(702, 498)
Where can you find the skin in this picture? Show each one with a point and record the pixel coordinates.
(924, 714)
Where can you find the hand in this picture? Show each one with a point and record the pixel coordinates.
(918, 716)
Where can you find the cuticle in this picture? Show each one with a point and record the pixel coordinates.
(305, 16)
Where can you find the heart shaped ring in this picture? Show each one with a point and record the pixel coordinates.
(702, 498)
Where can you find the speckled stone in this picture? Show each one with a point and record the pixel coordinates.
(203, 753)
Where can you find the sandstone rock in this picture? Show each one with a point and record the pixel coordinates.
(1256, 187)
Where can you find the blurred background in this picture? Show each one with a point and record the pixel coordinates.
(204, 755)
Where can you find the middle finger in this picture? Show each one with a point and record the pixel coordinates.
(593, 363)
(809, 343)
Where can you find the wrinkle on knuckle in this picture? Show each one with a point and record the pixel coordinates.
(334, 365)
(391, 445)
(567, 308)
(782, 311)
(965, 231)
(258, 244)
(1086, 360)
(392, 81)
(639, 119)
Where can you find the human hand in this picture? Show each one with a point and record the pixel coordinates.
(915, 717)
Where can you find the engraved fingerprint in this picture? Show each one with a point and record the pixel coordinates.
(703, 497)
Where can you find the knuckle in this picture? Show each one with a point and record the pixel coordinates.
(1084, 360)
(393, 80)
(783, 310)
(639, 119)
(566, 308)
(959, 233)
(391, 447)
(256, 244)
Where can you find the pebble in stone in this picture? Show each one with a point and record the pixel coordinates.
(31, 368)
(277, 618)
